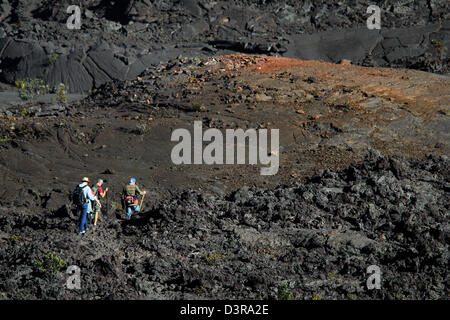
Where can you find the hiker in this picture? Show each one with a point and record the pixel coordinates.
(130, 197)
(82, 195)
(100, 194)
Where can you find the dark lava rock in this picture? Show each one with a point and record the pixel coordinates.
(121, 39)
(109, 171)
(319, 237)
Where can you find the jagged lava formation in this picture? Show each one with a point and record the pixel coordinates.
(364, 180)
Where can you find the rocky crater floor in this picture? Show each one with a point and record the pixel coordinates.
(363, 180)
(363, 175)
(311, 240)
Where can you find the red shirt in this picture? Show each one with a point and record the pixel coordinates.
(99, 190)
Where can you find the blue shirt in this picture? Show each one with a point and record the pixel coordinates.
(87, 192)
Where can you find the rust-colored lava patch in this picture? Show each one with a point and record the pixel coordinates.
(328, 115)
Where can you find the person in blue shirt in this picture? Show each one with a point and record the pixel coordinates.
(87, 196)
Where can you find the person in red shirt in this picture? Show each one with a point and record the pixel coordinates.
(100, 193)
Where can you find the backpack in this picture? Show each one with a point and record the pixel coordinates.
(78, 197)
(131, 201)
(95, 190)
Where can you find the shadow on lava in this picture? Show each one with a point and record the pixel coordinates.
(144, 218)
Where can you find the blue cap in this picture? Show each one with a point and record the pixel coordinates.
(133, 180)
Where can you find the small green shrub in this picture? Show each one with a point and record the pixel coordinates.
(198, 290)
(61, 92)
(5, 140)
(20, 84)
(25, 112)
(437, 44)
(50, 264)
(213, 257)
(53, 59)
(14, 237)
(284, 293)
(316, 296)
(29, 88)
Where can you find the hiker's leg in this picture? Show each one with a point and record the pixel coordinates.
(90, 212)
(129, 211)
(87, 219)
(83, 222)
(80, 218)
(97, 209)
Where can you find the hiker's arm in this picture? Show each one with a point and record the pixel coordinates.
(139, 191)
(91, 196)
(103, 194)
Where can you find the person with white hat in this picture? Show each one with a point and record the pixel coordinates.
(82, 196)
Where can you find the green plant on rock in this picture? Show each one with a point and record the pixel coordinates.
(198, 290)
(25, 112)
(50, 264)
(316, 296)
(20, 84)
(18, 25)
(24, 90)
(53, 59)
(213, 257)
(29, 88)
(284, 293)
(61, 92)
(437, 44)
(395, 296)
(14, 237)
(5, 140)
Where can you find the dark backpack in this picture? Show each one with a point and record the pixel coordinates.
(95, 191)
(78, 197)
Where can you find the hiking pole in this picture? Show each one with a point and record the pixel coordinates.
(107, 203)
(142, 200)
